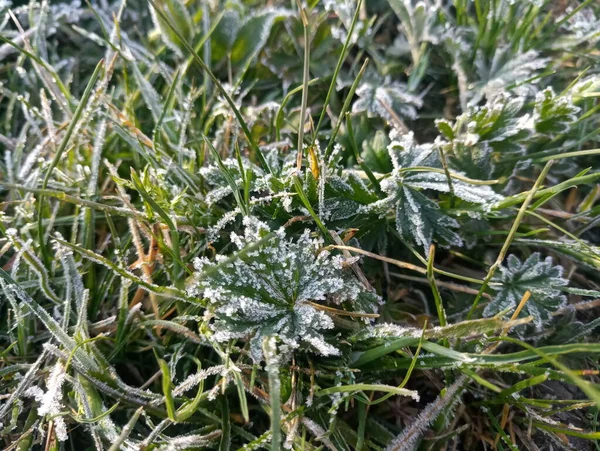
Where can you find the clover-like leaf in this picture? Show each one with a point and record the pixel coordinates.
(345, 196)
(504, 70)
(497, 126)
(538, 276)
(272, 288)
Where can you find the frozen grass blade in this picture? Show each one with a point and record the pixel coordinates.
(59, 152)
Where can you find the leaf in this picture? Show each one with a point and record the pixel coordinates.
(224, 35)
(553, 114)
(177, 13)
(499, 126)
(274, 289)
(505, 69)
(252, 37)
(420, 220)
(477, 194)
(149, 94)
(374, 152)
(541, 278)
(377, 96)
(167, 389)
(345, 196)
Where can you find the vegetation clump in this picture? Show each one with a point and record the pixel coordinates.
(337, 224)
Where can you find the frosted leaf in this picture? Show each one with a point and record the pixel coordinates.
(271, 287)
(344, 9)
(377, 95)
(505, 69)
(588, 85)
(497, 126)
(418, 218)
(580, 27)
(51, 400)
(477, 194)
(220, 186)
(541, 278)
(408, 439)
(553, 114)
(345, 195)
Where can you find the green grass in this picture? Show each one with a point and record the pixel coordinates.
(363, 225)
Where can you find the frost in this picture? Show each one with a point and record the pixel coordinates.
(418, 218)
(196, 378)
(539, 277)
(505, 69)
(51, 400)
(498, 126)
(407, 439)
(273, 288)
(344, 9)
(378, 96)
(580, 27)
(553, 114)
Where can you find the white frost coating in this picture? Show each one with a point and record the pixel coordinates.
(51, 400)
(407, 440)
(196, 378)
(273, 287)
(186, 442)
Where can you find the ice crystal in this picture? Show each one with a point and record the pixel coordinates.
(51, 400)
(271, 287)
(539, 277)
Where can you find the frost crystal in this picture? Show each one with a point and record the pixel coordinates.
(51, 400)
(271, 288)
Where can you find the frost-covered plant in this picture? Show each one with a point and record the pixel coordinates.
(419, 219)
(382, 97)
(553, 114)
(542, 279)
(498, 126)
(274, 286)
(175, 273)
(581, 25)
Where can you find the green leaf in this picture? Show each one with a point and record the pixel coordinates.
(167, 389)
(251, 38)
(553, 114)
(539, 277)
(177, 13)
(419, 220)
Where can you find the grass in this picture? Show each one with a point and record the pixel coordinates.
(300, 225)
